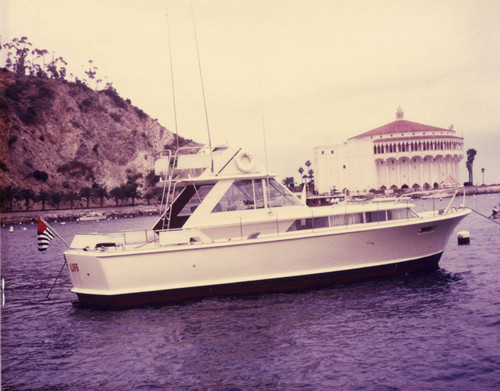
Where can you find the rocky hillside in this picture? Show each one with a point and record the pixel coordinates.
(59, 135)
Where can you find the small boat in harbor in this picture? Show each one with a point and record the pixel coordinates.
(438, 195)
(92, 216)
(229, 227)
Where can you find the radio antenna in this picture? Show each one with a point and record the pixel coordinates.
(202, 89)
(172, 79)
(264, 137)
(263, 124)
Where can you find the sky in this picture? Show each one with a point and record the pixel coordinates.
(284, 76)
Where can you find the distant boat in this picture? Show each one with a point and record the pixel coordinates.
(439, 195)
(324, 200)
(92, 216)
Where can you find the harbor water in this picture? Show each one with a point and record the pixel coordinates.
(432, 331)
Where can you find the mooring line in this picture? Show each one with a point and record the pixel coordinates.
(486, 217)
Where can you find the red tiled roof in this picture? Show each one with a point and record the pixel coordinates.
(433, 137)
(399, 126)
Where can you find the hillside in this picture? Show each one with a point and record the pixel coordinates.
(63, 136)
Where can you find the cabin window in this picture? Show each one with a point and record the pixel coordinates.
(196, 196)
(372, 217)
(280, 196)
(400, 214)
(242, 195)
(248, 194)
(183, 206)
(346, 219)
(302, 224)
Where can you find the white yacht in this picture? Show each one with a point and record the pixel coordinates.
(228, 227)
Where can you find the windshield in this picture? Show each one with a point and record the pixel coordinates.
(248, 194)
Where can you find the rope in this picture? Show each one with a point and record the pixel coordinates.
(486, 217)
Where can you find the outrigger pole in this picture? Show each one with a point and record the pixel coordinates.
(202, 89)
(172, 80)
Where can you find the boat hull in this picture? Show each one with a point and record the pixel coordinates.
(274, 285)
(281, 263)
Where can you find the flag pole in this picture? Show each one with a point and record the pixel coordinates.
(57, 278)
(64, 264)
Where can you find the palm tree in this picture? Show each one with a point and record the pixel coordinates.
(471, 154)
(289, 182)
(301, 170)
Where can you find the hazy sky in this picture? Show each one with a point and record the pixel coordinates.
(308, 72)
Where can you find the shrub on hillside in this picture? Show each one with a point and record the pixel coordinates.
(117, 99)
(40, 175)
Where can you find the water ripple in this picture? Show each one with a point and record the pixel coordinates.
(433, 331)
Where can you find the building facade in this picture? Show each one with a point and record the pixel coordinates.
(401, 155)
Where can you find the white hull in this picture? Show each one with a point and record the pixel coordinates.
(120, 277)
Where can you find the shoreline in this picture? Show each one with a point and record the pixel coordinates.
(23, 217)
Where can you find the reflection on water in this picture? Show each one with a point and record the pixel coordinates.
(429, 331)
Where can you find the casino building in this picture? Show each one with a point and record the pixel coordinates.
(400, 155)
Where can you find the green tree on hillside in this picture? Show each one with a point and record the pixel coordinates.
(154, 192)
(56, 198)
(18, 51)
(130, 191)
(71, 196)
(118, 194)
(9, 194)
(100, 192)
(86, 193)
(26, 195)
(42, 197)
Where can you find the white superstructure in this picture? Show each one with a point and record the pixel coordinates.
(400, 155)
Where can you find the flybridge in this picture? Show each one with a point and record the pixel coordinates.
(199, 163)
(229, 179)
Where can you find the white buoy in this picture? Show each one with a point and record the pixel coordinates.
(463, 237)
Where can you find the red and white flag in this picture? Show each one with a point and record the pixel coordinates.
(45, 234)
